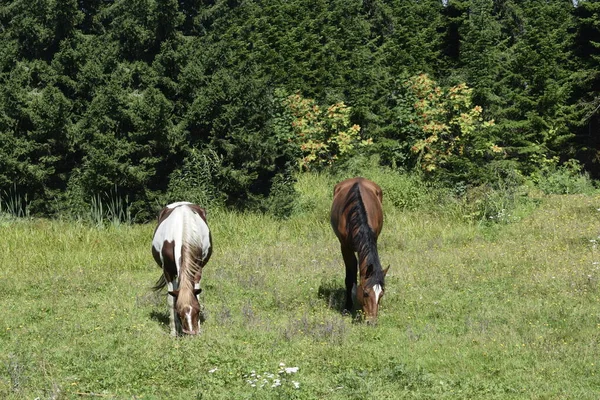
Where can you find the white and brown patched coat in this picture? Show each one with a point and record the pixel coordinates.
(181, 246)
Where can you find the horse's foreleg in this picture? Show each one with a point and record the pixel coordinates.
(351, 271)
(197, 279)
(174, 323)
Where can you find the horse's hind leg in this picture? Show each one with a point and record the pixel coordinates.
(351, 271)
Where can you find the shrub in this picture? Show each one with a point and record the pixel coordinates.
(194, 180)
(448, 135)
(325, 136)
(401, 189)
(500, 198)
(568, 178)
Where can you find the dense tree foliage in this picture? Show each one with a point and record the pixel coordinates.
(160, 100)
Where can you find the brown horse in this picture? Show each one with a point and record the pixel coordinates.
(182, 245)
(357, 218)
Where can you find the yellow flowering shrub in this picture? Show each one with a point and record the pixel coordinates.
(448, 123)
(324, 135)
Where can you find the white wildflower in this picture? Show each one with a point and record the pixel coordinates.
(291, 370)
(213, 370)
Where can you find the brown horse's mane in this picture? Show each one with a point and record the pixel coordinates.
(363, 237)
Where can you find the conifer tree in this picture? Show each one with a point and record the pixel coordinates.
(587, 74)
(535, 87)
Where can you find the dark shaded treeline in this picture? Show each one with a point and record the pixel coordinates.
(155, 100)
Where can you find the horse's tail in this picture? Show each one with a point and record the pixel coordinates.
(160, 283)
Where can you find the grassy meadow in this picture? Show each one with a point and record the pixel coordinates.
(494, 310)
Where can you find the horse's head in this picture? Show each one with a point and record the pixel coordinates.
(188, 310)
(368, 295)
(368, 298)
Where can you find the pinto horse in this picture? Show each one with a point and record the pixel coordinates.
(181, 246)
(356, 219)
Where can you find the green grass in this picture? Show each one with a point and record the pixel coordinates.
(471, 310)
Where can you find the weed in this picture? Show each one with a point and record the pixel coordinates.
(13, 203)
(332, 330)
(267, 380)
(567, 178)
(110, 208)
(16, 372)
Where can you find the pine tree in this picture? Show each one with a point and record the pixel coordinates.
(587, 74)
(535, 86)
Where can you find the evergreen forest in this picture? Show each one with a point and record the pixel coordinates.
(224, 102)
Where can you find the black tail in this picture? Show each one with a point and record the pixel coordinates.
(160, 283)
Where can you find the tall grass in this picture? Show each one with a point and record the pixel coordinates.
(14, 204)
(110, 209)
(469, 311)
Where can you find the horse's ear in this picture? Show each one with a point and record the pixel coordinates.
(197, 291)
(174, 293)
(385, 271)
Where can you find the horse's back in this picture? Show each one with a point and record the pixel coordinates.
(180, 224)
(372, 198)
